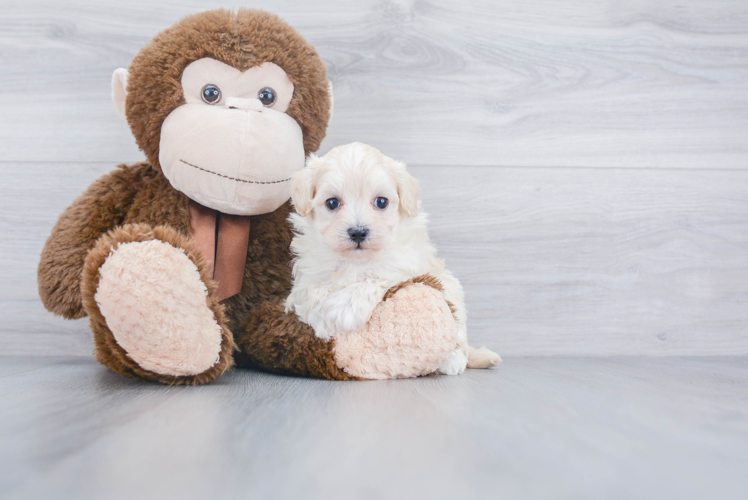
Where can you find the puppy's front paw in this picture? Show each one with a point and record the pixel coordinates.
(317, 321)
(344, 311)
(455, 364)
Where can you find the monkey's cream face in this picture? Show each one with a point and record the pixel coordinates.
(231, 146)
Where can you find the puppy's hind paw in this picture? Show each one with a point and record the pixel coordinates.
(454, 365)
(482, 358)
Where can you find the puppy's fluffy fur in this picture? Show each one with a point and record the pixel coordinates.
(339, 275)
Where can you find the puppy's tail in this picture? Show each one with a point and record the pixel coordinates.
(482, 358)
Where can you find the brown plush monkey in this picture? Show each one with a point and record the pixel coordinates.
(182, 262)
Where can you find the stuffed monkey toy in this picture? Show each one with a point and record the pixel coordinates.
(182, 262)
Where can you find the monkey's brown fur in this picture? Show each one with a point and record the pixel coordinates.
(286, 346)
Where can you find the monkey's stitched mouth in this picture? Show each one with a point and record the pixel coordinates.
(233, 178)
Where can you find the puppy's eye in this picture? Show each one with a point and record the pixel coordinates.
(211, 94)
(267, 97)
(332, 203)
(381, 202)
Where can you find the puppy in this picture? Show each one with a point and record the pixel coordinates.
(360, 231)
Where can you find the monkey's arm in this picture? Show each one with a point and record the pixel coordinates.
(102, 207)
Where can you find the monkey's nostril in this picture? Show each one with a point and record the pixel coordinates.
(244, 104)
(358, 234)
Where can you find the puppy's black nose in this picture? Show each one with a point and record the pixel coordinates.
(358, 234)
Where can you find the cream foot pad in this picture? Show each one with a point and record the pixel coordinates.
(154, 302)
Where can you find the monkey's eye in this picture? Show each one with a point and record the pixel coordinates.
(381, 202)
(332, 203)
(267, 96)
(211, 94)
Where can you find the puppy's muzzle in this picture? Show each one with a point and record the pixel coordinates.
(358, 234)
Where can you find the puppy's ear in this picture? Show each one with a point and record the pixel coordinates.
(302, 188)
(408, 191)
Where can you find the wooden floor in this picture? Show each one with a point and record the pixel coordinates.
(615, 428)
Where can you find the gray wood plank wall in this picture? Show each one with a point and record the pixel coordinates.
(585, 164)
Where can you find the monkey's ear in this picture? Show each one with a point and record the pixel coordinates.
(332, 101)
(302, 188)
(119, 91)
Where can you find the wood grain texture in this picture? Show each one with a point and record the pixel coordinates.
(616, 428)
(486, 82)
(576, 258)
(554, 261)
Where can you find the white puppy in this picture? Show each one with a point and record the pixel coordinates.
(360, 231)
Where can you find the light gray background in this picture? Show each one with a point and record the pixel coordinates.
(584, 162)
(585, 165)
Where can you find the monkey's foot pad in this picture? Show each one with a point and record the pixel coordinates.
(422, 337)
(155, 304)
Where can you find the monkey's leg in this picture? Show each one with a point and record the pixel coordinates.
(150, 301)
(410, 334)
(277, 342)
